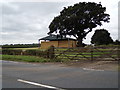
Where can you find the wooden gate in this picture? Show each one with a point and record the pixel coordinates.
(88, 53)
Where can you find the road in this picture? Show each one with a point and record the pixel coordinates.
(55, 76)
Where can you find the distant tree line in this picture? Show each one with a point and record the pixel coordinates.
(19, 45)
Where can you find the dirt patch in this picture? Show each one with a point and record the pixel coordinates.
(101, 65)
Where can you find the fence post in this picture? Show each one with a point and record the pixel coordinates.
(92, 54)
(51, 53)
(22, 52)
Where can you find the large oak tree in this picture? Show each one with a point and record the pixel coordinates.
(79, 20)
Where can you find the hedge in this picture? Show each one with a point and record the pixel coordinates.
(46, 54)
(35, 53)
(11, 52)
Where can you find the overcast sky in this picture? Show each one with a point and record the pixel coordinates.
(26, 22)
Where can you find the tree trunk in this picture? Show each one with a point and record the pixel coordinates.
(80, 44)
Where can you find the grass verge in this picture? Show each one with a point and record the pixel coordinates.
(21, 58)
(24, 58)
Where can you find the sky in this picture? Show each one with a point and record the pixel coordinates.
(26, 21)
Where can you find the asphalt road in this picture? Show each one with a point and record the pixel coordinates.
(55, 76)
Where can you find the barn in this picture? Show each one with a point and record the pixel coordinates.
(57, 41)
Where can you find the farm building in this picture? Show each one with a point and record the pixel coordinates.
(57, 41)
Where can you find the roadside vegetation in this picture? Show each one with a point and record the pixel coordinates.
(20, 58)
(24, 58)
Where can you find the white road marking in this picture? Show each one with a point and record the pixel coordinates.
(10, 61)
(17, 62)
(41, 85)
(92, 69)
(14, 62)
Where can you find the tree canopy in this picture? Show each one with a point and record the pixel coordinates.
(101, 37)
(79, 20)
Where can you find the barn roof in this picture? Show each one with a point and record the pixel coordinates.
(55, 37)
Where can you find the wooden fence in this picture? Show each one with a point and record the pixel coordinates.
(88, 53)
(73, 54)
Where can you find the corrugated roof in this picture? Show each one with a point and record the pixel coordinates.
(55, 37)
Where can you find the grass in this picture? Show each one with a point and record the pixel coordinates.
(110, 45)
(26, 48)
(86, 54)
(78, 55)
(24, 58)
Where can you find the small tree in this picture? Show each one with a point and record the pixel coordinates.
(101, 37)
(79, 20)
